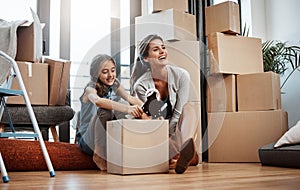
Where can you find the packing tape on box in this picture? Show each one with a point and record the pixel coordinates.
(29, 66)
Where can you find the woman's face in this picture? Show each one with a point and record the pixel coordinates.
(107, 73)
(157, 53)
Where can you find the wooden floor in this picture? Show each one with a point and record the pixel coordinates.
(205, 176)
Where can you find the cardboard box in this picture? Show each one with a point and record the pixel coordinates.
(180, 5)
(137, 146)
(223, 17)
(30, 41)
(234, 54)
(35, 79)
(170, 24)
(237, 136)
(185, 54)
(59, 74)
(259, 91)
(221, 93)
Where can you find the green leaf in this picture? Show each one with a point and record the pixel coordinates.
(277, 56)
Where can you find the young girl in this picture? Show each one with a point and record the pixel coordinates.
(151, 70)
(97, 107)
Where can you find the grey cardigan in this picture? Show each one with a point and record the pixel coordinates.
(178, 86)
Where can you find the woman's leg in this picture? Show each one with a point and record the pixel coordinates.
(189, 121)
(175, 142)
(188, 124)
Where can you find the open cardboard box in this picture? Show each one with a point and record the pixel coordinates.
(30, 40)
(137, 146)
(59, 74)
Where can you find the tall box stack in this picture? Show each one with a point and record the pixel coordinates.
(170, 20)
(243, 102)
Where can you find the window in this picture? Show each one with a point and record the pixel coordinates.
(10, 12)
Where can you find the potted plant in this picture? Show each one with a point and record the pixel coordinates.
(279, 57)
(285, 60)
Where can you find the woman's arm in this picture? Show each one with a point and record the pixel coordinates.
(182, 95)
(183, 90)
(141, 90)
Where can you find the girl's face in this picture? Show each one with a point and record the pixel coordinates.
(157, 53)
(107, 73)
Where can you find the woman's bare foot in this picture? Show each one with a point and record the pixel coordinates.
(195, 160)
(172, 161)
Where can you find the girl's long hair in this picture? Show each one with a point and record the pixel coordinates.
(140, 66)
(95, 82)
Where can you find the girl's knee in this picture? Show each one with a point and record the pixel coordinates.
(104, 114)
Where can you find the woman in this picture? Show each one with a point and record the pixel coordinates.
(97, 107)
(151, 70)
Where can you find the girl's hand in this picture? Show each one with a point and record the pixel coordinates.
(135, 111)
(145, 116)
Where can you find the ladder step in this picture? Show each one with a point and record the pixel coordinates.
(22, 135)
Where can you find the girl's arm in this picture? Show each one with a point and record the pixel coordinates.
(130, 99)
(92, 96)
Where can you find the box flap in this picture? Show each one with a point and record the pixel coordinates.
(38, 43)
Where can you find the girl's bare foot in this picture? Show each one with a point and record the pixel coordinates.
(100, 162)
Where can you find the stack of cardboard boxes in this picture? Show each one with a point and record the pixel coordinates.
(170, 20)
(243, 102)
(46, 81)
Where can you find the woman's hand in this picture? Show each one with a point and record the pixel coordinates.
(135, 111)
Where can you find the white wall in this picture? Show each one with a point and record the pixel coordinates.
(283, 20)
(11, 10)
(258, 19)
(278, 20)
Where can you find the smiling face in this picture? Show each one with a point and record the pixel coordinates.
(107, 73)
(157, 53)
